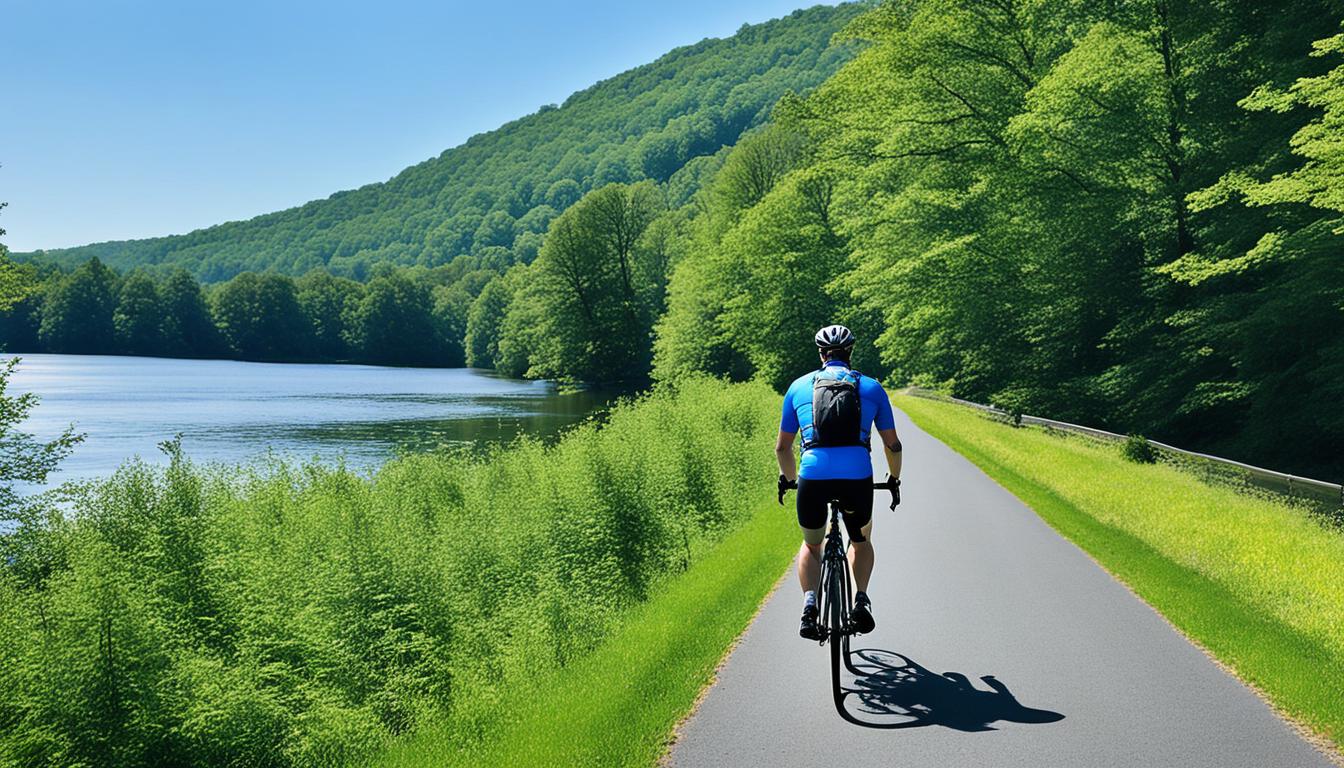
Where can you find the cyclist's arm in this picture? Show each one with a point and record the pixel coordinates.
(891, 445)
(788, 430)
(784, 454)
(885, 423)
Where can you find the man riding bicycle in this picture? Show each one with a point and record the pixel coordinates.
(835, 408)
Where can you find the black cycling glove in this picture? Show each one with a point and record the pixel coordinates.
(785, 484)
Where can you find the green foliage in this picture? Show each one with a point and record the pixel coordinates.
(484, 319)
(188, 329)
(644, 123)
(77, 312)
(330, 305)
(301, 615)
(259, 317)
(598, 285)
(1138, 450)
(138, 321)
(394, 323)
(23, 458)
(1065, 207)
(667, 650)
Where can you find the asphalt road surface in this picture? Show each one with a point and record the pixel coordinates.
(998, 643)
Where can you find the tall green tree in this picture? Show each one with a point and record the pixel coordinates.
(597, 307)
(329, 304)
(188, 329)
(259, 317)
(138, 320)
(1276, 308)
(394, 323)
(20, 302)
(485, 318)
(77, 313)
(691, 335)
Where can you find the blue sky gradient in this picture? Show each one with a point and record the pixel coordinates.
(125, 119)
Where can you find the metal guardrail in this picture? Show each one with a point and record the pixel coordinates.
(1280, 482)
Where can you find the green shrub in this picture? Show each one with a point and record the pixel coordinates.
(286, 614)
(1138, 450)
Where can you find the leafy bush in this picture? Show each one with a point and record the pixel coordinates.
(300, 615)
(1138, 450)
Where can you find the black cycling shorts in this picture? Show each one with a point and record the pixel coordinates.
(855, 497)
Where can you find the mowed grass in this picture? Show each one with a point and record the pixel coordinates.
(617, 705)
(1259, 583)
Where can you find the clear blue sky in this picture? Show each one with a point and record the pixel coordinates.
(123, 119)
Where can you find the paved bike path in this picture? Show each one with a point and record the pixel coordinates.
(998, 643)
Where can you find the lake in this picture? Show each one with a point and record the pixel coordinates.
(235, 411)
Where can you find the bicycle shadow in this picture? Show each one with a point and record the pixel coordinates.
(902, 694)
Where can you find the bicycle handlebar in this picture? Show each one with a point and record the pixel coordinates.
(892, 484)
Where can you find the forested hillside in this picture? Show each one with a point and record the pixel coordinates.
(1126, 214)
(496, 194)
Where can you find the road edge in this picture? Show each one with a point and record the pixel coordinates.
(674, 735)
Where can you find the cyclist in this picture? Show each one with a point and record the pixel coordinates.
(835, 408)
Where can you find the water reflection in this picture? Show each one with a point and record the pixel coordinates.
(235, 411)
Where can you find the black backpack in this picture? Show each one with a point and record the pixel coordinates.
(836, 411)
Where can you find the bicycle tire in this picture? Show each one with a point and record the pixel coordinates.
(835, 597)
(849, 600)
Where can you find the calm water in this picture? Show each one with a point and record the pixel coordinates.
(235, 411)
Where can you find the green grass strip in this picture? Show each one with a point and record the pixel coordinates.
(617, 705)
(1254, 581)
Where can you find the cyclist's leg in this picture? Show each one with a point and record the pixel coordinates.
(812, 521)
(857, 503)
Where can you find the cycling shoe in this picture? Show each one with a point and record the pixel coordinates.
(862, 615)
(808, 630)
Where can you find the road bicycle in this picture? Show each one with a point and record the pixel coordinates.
(836, 597)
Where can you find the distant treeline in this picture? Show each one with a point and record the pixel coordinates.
(401, 316)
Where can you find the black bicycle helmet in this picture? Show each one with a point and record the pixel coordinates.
(834, 337)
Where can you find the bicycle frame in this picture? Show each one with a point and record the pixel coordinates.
(834, 565)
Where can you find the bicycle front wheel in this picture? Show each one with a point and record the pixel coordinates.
(836, 630)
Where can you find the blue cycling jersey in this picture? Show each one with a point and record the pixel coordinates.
(846, 462)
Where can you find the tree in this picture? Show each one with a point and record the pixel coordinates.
(1276, 307)
(595, 303)
(328, 304)
(755, 165)
(188, 329)
(138, 320)
(77, 315)
(792, 257)
(495, 229)
(20, 302)
(394, 323)
(260, 319)
(485, 319)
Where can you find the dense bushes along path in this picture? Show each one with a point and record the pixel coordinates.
(302, 615)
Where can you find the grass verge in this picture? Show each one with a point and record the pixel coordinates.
(1256, 582)
(617, 705)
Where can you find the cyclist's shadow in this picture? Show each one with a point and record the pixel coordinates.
(892, 691)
